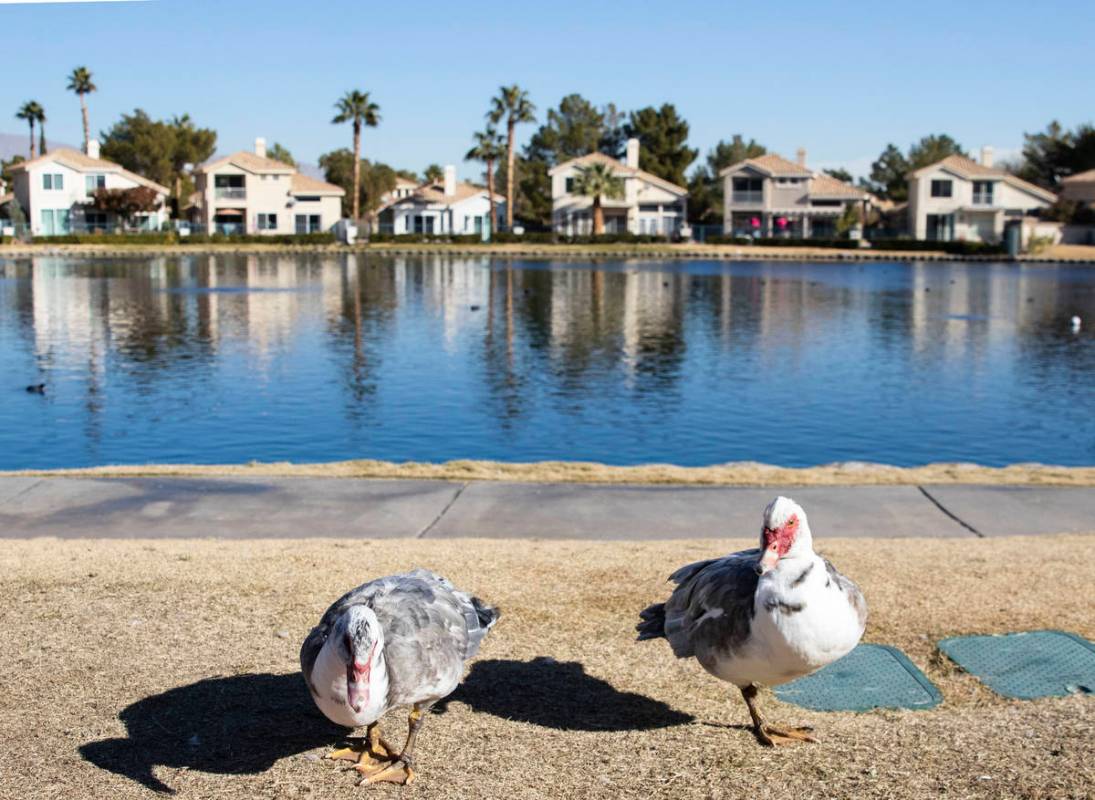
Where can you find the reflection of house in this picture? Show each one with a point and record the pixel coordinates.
(650, 205)
(441, 208)
(771, 196)
(1079, 188)
(57, 190)
(960, 199)
(250, 193)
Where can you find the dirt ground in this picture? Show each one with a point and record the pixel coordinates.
(742, 473)
(136, 667)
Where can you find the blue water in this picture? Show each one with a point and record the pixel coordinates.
(308, 358)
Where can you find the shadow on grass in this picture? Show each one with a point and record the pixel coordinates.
(556, 694)
(234, 725)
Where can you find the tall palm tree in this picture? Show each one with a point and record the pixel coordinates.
(41, 130)
(356, 107)
(488, 149)
(80, 82)
(30, 111)
(512, 105)
(597, 181)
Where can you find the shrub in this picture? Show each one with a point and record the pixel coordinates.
(952, 248)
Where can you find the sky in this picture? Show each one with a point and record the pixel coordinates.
(841, 79)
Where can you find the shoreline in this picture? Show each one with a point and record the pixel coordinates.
(742, 473)
(1059, 255)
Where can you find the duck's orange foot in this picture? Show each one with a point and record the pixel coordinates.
(775, 736)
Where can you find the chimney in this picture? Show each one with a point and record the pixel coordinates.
(92, 148)
(632, 157)
(450, 180)
(986, 156)
(260, 147)
(800, 156)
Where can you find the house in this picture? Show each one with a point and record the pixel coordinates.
(649, 204)
(1079, 188)
(57, 191)
(249, 193)
(443, 207)
(958, 198)
(772, 196)
(404, 187)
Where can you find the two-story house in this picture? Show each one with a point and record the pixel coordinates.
(649, 204)
(251, 194)
(771, 196)
(958, 198)
(57, 193)
(444, 207)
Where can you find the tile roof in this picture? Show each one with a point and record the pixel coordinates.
(968, 168)
(81, 162)
(435, 193)
(304, 184)
(822, 185)
(619, 168)
(250, 162)
(773, 164)
(1080, 177)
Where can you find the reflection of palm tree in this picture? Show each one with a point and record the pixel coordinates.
(31, 112)
(598, 181)
(512, 105)
(80, 83)
(356, 107)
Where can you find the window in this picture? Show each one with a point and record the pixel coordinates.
(569, 185)
(648, 208)
(307, 199)
(54, 180)
(268, 222)
(229, 187)
(307, 223)
(55, 221)
(825, 203)
(982, 193)
(748, 190)
(789, 181)
(95, 220)
(423, 224)
(942, 188)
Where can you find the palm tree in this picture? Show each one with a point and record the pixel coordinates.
(30, 111)
(597, 181)
(41, 130)
(488, 149)
(513, 105)
(80, 82)
(356, 107)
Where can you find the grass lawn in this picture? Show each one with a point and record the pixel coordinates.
(131, 664)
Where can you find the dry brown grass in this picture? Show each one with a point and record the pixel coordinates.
(743, 473)
(194, 643)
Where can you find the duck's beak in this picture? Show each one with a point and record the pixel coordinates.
(357, 685)
(768, 559)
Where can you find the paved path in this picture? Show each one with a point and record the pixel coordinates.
(301, 507)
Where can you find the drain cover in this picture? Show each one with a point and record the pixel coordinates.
(871, 676)
(1027, 665)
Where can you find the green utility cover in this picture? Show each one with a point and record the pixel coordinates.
(871, 676)
(1027, 665)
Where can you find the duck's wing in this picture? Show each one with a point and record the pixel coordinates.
(850, 590)
(712, 604)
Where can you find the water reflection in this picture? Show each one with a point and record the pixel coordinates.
(231, 358)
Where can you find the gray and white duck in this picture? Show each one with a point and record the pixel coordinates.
(762, 617)
(396, 641)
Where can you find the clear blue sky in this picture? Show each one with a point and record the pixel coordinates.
(841, 79)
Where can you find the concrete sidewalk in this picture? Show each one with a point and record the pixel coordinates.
(302, 507)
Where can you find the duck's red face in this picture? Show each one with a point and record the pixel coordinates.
(777, 543)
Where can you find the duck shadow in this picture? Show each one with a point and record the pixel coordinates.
(560, 695)
(232, 725)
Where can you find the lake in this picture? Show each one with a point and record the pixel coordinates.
(232, 358)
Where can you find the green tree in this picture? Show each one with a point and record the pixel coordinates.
(374, 180)
(30, 111)
(279, 153)
(356, 107)
(487, 148)
(159, 150)
(598, 182)
(840, 174)
(512, 104)
(41, 130)
(433, 173)
(933, 148)
(1057, 153)
(80, 82)
(887, 178)
(705, 202)
(6, 173)
(663, 137)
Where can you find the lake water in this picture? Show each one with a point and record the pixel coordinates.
(213, 359)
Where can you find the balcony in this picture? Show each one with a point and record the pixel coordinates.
(230, 193)
(982, 198)
(742, 198)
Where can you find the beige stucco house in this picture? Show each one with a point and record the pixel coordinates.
(772, 196)
(250, 193)
(959, 199)
(57, 190)
(650, 205)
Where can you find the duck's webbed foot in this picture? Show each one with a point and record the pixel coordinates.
(370, 753)
(398, 769)
(772, 735)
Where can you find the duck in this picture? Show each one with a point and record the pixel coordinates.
(397, 641)
(762, 617)
(37, 388)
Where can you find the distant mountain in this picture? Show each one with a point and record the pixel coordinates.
(17, 144)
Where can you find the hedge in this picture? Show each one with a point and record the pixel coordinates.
(169, 237)
(952, 248)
